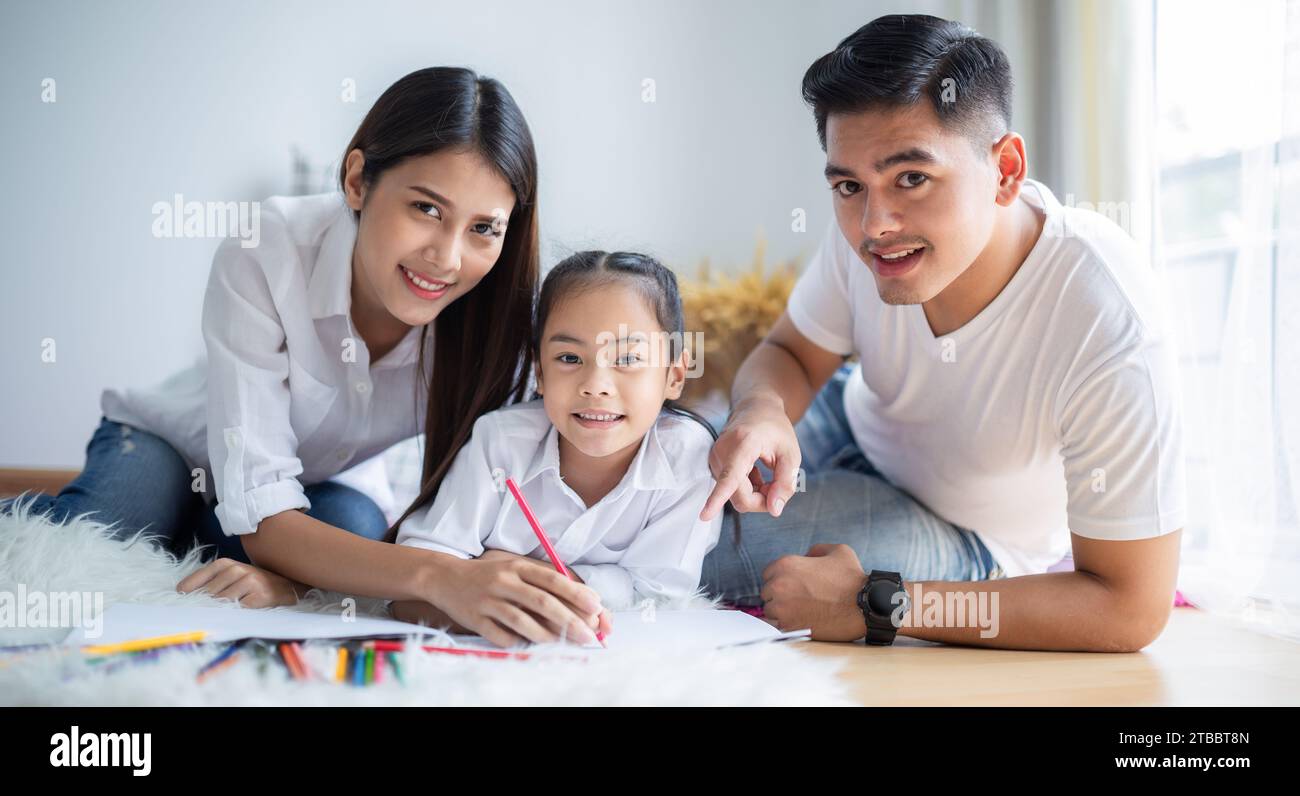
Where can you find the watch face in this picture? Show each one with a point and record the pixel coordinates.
(880, 597)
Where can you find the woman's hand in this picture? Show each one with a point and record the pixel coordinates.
(509, 599)
(250, 586)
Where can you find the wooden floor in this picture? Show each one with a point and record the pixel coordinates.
(15, 481)
(1200, 659)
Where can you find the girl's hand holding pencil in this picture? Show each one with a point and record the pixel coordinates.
(605, 622)
(510, 601)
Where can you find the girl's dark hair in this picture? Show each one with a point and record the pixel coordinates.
(482, 357)
(898, 60)
(656, 284)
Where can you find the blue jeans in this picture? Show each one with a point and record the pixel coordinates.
(845, 501)
(137, 481)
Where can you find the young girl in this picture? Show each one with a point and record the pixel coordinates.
(615, 471)
(318, 341)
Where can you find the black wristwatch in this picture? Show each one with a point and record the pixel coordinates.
(879, 601)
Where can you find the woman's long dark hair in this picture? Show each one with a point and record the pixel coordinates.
(482, 356)
(656, 284)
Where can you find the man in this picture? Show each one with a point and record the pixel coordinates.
(1016, 390)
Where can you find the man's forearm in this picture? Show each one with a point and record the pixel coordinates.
(312, 552)
(1061, 611)
(772, 374)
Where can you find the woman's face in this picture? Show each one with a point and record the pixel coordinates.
(603, 369)
(430, 229)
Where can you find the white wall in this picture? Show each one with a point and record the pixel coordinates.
(206, 100)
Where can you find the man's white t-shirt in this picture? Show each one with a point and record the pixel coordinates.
(1055, 409)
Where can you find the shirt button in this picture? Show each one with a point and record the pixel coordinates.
(232, 438)
(362, 387)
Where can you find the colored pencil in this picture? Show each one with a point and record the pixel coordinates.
(541, 537)
(359, 669)
(341, 667)
(300, 657)
(399, 646)
(140, 644)
(223, 660)
(143, 656)
(291, 661)
(397, 668)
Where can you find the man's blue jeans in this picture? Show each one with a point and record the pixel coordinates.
(846, 501)
(137, 481)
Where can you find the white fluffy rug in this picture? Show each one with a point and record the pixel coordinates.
(36, 555)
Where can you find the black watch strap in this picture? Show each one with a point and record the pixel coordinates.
(878, 602)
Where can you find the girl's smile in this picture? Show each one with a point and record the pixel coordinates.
(598, 420)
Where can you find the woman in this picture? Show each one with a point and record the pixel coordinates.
(351, 325)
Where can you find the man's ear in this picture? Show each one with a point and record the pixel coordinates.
(677, 375)
(354, 190)
(1012, 165)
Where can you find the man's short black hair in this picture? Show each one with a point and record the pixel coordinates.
(895, 60)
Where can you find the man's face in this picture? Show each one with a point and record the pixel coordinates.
(902, 182)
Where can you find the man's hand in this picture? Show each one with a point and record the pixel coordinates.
(817, 591)
(757, 430)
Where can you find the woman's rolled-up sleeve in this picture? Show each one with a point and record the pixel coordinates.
(251, 443)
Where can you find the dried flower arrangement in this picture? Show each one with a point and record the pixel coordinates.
(731, 314)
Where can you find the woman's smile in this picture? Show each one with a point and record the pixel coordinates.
(423, 286)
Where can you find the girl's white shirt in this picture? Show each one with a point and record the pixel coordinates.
(286, 394)
(642, 540)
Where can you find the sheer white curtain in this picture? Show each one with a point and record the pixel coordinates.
(1180, 122)
(1084, 98)
(1286, 311)
(1228, 216)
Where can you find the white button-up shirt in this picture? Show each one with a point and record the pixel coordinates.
(642, 540)
(286, 394)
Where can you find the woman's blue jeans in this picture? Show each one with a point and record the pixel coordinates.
(136, 481)
(845, 501)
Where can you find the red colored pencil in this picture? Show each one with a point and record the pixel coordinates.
(290, 663)
(301, 657)
(541, 537)
(381, 645)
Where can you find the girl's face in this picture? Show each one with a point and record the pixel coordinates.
(430, 229)
(603, 369)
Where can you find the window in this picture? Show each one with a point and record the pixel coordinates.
(1225, 143)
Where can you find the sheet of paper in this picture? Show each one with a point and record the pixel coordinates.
(633, 630)
(129, 621)
(687, 629)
